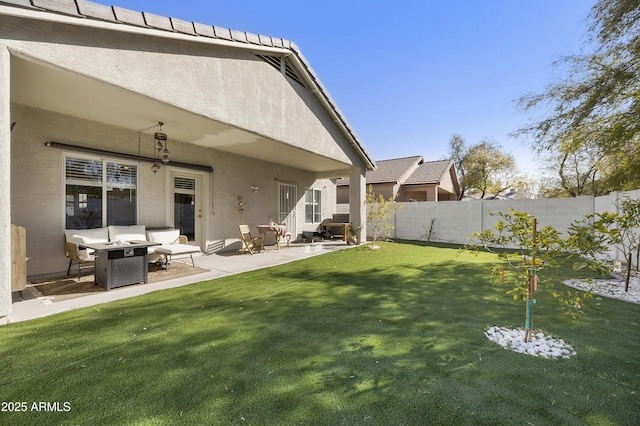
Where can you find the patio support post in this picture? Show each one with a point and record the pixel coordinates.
(357, 203)
(5, 190)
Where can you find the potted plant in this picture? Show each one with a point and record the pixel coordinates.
(351, 237)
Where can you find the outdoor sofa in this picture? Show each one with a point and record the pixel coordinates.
(172, 243)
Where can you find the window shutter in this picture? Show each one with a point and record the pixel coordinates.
(122, 175)
(83, 171)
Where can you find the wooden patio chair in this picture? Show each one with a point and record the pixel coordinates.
(251, 244)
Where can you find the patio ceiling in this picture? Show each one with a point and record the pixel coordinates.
(45, 87)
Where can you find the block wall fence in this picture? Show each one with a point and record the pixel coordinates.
(456, 221)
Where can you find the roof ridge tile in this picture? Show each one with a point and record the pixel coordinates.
(204, 30)
(157, 21)
(265, 40)
(68, 7)
(128, 16)
(240, 36)
(96, 11)
(252, 38)
(222, 33)
(21, 3)
(181, 26)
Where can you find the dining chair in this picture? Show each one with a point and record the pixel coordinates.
(251, 244)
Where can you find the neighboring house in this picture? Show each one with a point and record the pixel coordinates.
(251, 133)
(409, 179)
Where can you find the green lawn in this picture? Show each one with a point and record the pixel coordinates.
(361, 336)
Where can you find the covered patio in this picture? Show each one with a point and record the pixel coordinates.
(217, 265)
(250, 134)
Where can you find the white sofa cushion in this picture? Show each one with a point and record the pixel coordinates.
(162, 236)
(177, 249)
(127, 233)
(165, 236)
(86, 236)
(96, 235)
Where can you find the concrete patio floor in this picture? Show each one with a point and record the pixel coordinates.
(218, 265)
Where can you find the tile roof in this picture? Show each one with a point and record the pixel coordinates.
(406, 171)
(429, 172)
(394, 170)
(117, 15)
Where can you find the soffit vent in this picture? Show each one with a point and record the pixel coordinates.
(274, 61)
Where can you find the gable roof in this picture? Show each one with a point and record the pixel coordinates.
(395, 170)
(429, 172)
(410, 171)
(82, 12)
(389, 171)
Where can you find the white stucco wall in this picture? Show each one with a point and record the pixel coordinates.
(5, 200)
(229, 85)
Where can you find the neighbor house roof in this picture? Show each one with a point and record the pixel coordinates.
(389, 171)
(429, 172)
(94, 14)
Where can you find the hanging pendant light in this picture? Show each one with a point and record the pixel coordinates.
(160, 137)
(155, 167)
(160, 144)
(165, 153)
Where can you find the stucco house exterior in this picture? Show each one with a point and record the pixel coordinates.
(251, 133)
(408, 179)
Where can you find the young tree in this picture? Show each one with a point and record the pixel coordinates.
(629, 224)
(622, 230)
(528, 253)
(379, 211)
(597, 104)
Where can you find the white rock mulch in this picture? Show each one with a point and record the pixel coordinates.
(613, 288)
(549, 347)
(541, 345)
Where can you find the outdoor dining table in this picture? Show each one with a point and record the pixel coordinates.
(279, 231)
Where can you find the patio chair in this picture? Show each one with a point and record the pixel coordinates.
(84, 258)
(251, 244)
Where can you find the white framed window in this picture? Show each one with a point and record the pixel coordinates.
(313, 205)
(184, 206)
(99, 192)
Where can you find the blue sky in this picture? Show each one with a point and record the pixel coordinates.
(409, 74)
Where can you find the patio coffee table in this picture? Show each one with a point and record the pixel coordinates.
(119, 265)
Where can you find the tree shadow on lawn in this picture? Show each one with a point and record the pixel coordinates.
(305, 342)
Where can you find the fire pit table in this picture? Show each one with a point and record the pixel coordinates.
(120, 264)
